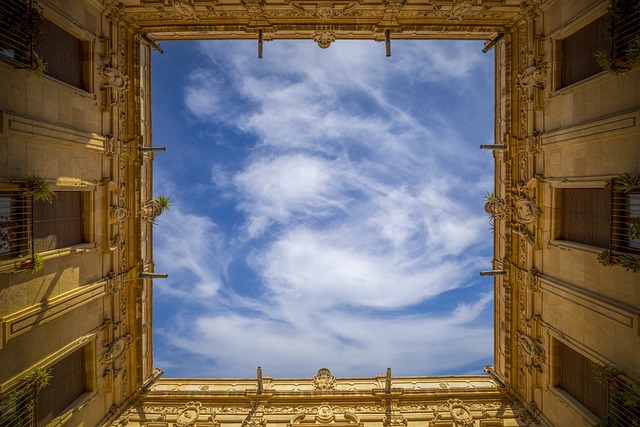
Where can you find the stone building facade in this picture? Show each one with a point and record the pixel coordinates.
(566, 133)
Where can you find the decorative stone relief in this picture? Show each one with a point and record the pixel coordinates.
(184, 8)
(116, 349)
(460, 413)
(325, 414)
(119, 214)
(533, 76)
(532, 349)
(460, 9)
(113, 78)
(323, 11)
(324, 38)
(324, 380)
(188, 414)
(394, 417)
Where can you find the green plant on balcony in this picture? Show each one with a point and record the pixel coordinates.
(36, 186)
(34, 263)
(624, 183)
(629, 262)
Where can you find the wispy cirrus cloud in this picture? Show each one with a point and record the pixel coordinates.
(347, 233)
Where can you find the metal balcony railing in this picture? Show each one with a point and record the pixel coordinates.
(625, 31)
(18, 406)
(21, 31)
(16, 230)
(625, 222)
(624, 405)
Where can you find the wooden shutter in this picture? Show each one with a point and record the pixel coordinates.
(586, 216)
(579, 50)
(66, 385)
(58, 224)
(577, 380)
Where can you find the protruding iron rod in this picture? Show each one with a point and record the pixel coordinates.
(154, 44)
(492, 43)
(260, 43)
(259, 380)
(387, 41)
(493, 146)
(146, 149)
(153, 276)
(388, 382)
(493, 273)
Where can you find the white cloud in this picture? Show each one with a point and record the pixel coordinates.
(354, 208)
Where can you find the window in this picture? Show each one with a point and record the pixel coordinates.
(63, 54)
(58, 224)
(67, 384)
(579, 51)
(575, 377)
(586, 216)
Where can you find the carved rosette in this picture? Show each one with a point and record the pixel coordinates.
(324, 38)
(324, 380)
(325, 414)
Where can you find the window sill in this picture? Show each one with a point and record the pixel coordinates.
(568, 245)
(75, 406)
(75, 249)
(578, 407)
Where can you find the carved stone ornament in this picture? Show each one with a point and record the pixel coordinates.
(188, 414)
(325, 414)
(460, 413)
(460, 9)
(324, 380)
(116, 349)
(533, 76)
(114, 78)
(324, 38)
(119, 214)
(496, 208)
(184, 8)
(526, 211)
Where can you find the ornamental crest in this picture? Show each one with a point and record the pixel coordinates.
(113, 78)
(324, 38)
(324, 380)
(460, 413)
(188, 414)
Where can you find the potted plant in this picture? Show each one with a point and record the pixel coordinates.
(37, 187)
(38, 65)
(155, 207)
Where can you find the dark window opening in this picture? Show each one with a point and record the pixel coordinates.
(63, 54)
(579, 51)
(577, 379)
(58, 224)
(586, 216)
(66, 385)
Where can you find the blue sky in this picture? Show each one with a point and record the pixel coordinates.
(328, 208)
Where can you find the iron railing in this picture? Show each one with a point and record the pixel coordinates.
(625, 31)
(625, 222)
(624, 405)
(18, 406)
(16, 230)
(21, 31)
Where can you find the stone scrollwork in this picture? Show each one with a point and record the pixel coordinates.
(533, 76)
(184, 8)
(496, 208)
(324, 380)
(324, 38)
(325, 414)
(113, 78)
(533, 349)
(116, 349)
(460, 9)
